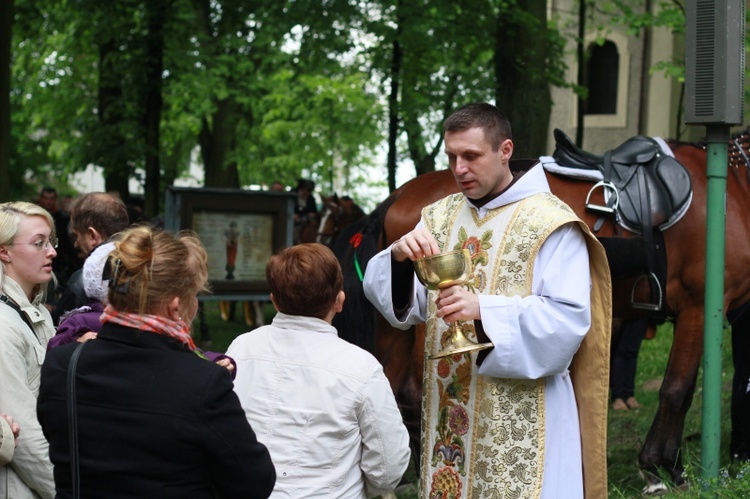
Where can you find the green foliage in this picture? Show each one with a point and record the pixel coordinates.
(266, 90)
(324, 125)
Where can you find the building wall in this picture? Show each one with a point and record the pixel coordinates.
(647, 103)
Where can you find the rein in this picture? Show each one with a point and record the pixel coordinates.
(355, 242)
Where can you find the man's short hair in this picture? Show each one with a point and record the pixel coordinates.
(107, 214)
(489, 118)
(305, 279)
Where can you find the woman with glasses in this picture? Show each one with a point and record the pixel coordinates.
(27, 247)
(155, 418)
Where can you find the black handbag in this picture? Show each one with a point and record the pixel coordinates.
(73, 422)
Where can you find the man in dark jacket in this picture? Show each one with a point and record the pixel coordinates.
(94, 218)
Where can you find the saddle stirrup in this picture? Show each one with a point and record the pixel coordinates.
(610, 207)
(653, 282)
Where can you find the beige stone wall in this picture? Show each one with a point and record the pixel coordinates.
(647, 103)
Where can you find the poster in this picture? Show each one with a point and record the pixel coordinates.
(238, 244)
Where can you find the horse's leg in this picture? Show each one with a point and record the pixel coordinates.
(739, 448)
(661, 450)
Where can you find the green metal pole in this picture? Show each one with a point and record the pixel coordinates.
(716, 172)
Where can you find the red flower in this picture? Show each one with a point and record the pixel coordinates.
(356, 240)
(474, 245)
(443, 368)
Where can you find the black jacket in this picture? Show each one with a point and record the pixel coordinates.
(154, 420)
(73, 297)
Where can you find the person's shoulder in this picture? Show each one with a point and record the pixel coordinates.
(552, 203)
(351, 356)
(454, 199)
(247, 340)
(10, 321)
(76, 278)
(58, 357)
(194, 362)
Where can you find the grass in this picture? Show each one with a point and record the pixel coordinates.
(626, 429)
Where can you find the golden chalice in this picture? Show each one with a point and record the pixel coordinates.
(440, 271)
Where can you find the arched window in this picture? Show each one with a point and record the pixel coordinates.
(601, 77)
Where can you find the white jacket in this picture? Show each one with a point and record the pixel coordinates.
(6, 442)
(324, 409)
(29, 474)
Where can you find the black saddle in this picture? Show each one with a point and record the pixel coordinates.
(645, 188)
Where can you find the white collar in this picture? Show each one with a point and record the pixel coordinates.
(532, 182)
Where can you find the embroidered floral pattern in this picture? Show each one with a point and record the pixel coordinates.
(458, 420)
(477, 247)
(446, 484)
(484, 435)
(443, 368)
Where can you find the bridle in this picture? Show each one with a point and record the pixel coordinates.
(333, 212)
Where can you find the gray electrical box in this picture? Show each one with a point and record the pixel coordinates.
(714, 61)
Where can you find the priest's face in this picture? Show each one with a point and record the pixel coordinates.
(478, 170)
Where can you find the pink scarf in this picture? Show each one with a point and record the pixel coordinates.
(153, 323)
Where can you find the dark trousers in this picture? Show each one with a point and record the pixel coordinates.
(625, 359)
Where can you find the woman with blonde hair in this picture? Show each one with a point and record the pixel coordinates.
(27, 247)
(154, 417)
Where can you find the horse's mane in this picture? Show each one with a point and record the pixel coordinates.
(738, 152)
(356, 322)
(739, 149)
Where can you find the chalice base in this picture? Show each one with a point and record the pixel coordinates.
(459, 343)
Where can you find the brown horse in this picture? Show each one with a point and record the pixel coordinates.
(401, 353)
(323, 227)
(337, 213)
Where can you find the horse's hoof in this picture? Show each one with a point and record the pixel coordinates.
(654, 489)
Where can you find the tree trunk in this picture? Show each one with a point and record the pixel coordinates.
(218, 142)
(393, 111)
(523, 91)
(111, 141)
(156, 12)
(6, 23)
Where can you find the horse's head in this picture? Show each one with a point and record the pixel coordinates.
(330, 215)
(336, 214)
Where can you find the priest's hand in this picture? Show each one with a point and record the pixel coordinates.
(456, 303)
(414, 245)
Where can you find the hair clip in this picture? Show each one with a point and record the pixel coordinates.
(120, 288)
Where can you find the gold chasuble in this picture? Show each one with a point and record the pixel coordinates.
(484, 437)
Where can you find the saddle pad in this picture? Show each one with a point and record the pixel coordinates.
(549, 164)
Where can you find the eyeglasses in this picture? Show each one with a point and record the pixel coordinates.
(42, 244)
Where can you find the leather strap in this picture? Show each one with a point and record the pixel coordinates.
(73, 422)
(24, 317)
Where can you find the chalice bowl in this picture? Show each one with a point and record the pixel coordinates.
(441, 271)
